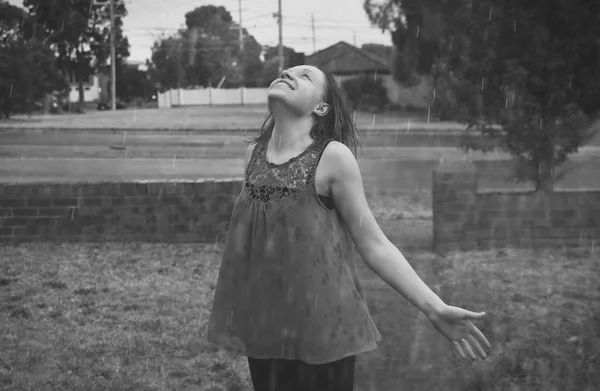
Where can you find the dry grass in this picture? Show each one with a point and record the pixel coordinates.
(111, 316)
(133, 316)
(544, 317)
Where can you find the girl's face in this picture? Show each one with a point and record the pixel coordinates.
(300, 89)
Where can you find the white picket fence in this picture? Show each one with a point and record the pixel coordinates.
(418, 96)
(212, 96)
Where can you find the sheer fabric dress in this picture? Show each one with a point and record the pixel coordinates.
(288, 285)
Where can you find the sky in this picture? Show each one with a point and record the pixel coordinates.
(335, 20)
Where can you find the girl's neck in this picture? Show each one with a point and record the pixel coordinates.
(291, 134)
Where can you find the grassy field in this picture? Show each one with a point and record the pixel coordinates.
(388, 161)
(393, 157)
(206, 118)
(133, 317)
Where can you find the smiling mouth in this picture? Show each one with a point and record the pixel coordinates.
(284, 84)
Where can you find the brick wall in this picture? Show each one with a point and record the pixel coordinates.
(175, 211)
(466, 218)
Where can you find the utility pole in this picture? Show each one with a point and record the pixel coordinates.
(313, 31)
(354, 37)
(280, 39)
(113, 59)
(241, 57)
(241, 29)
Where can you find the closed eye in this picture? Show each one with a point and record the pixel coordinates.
(305, 75)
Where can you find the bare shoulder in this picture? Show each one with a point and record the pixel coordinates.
(339, 160)
(337, 152)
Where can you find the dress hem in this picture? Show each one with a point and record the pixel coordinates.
(245, 353)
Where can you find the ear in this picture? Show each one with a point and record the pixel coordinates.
(322, 109)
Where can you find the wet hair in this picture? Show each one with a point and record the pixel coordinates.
(337, 124)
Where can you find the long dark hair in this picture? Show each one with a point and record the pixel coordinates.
(337, 124)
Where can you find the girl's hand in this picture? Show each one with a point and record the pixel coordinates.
(455, 324)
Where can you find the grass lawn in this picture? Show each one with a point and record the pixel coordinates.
(206, 118)
(387, 161)
(133, 316)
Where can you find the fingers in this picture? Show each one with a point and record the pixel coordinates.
(467, 347)
(459, 350)
(476, 346)
(464, 350)
(481, 338)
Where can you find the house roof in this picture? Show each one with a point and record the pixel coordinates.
(343, 58)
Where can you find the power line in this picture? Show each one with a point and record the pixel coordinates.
(280, 20)
(113, 62)
(313, 33)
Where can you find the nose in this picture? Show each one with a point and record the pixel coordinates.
(286, 74)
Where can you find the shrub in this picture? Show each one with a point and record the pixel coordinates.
(366, 93)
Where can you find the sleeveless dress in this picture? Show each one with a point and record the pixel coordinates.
(288, 287)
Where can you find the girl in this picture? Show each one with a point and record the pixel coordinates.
(288, 295)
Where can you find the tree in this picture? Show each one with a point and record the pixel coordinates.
(416, 29)
(27, 66)
(366, 93)
(78, 32)
(167, 65)
(207, 50)
(134, 84)
(522, 72)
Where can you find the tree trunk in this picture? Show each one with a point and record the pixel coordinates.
(545, 187)
(80, 74)
(545, 183)
(80, 88)
(5, 107)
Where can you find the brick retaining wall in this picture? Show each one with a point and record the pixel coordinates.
(174, 211)
(466, 218)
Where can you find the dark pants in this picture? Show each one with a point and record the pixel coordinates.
(296, 375)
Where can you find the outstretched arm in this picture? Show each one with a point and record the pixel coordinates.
(388, 262)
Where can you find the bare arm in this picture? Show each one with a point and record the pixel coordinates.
(375, 248)
(387, 261)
